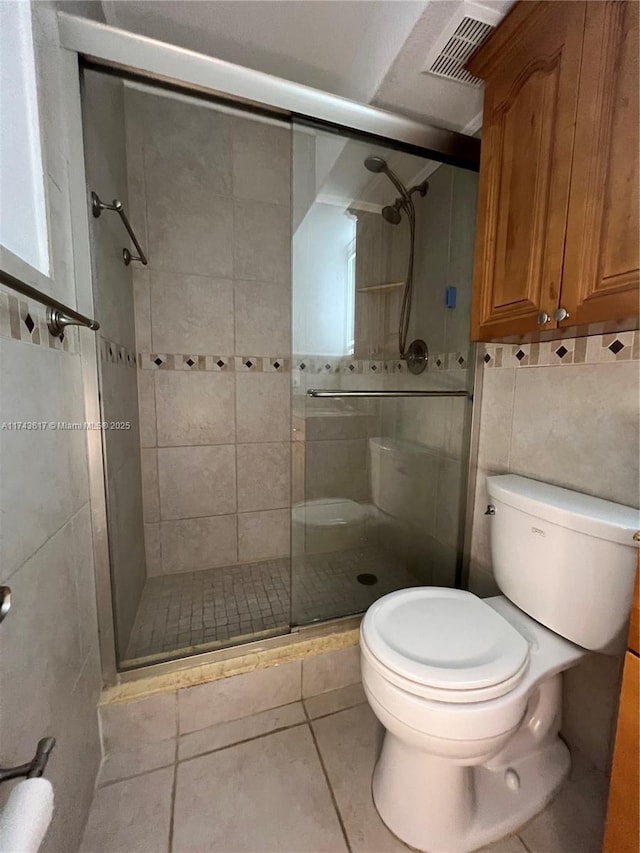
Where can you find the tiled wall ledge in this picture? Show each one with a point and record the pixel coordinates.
(293, 647)
(26, 320)
(595, 349)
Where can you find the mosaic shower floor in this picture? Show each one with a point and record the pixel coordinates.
(198, 611)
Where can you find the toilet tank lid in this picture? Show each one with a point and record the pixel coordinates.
(573, 510)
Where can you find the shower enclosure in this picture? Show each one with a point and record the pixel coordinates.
(286, 381)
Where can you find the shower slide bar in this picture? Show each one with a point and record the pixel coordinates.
(319, 392)
(98, 206)
(59, 316)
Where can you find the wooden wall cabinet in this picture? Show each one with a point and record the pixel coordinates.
(557, 239)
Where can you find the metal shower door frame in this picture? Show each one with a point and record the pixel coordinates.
(134, 57)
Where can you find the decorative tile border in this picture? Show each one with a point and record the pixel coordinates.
(594, 349)
(345, 365)
(214, 363)
(26, 320)
(115, 353)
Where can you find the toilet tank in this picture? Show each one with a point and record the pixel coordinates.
(566, 559)
(403, 477)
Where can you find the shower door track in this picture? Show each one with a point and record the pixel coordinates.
(168, 66)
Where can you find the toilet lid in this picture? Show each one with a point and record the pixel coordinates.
(447, 639)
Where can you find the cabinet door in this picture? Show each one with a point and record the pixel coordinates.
(531, 66)
(601, 271)
(623, 826)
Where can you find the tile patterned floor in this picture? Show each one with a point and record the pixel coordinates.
(289, 780)
(193, 611)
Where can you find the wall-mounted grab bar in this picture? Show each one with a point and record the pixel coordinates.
(98, 206)
(319, 392)
(59, 316)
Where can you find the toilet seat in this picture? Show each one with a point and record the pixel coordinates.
(444, 644)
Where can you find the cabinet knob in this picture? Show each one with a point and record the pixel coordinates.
(560, 314)
(542, 318)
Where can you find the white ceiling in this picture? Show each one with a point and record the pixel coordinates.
(371, 51)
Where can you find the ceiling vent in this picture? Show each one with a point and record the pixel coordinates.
(462, 36)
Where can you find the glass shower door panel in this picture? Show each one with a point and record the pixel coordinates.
(368, 482)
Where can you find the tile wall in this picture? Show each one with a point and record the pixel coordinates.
(564, 412)
(106, 173)
(49, 665)
(209, 191)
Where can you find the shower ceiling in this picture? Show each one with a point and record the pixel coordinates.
(372, 51)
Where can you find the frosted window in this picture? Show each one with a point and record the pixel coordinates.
(23, 220)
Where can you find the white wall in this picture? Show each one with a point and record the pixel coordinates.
(320, 281)
(49, 661)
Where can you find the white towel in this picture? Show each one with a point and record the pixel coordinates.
(26, 817)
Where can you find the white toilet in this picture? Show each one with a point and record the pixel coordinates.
(469, 690)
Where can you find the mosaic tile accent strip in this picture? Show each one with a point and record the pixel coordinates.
(594, 349)
(347, 365)
(214, 363)
(26, 320)
(115, 353)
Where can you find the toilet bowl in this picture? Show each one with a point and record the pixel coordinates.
(329, 524)
(470, 690)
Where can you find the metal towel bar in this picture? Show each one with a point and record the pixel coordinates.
(98, 206)
(59, 316)
(318, 392)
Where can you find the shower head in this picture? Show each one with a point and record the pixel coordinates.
(391, 214)
(376, 164)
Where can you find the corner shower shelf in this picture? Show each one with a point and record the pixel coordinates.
(374, 288)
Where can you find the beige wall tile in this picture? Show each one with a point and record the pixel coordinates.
(263, 476)
(194, 408)
(197, 481)
(498, 388)
(142, 309)
(281, 778)
(150, 492)
(349, 743)
(261, 161)
(147, 407)
(579, 427)
(128, 725)
(263, 534)
(337, 469)
(152, 552)
(234, 731)
(263, 318)
(330, 671)
(238, 696)
(131, 815)
(191, 314)
(34, 507)
(261, 241)
(198, 543)
(263, 407)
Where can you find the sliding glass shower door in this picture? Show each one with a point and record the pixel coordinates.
(377, 476)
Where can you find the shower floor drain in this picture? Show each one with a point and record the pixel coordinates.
(367, 579)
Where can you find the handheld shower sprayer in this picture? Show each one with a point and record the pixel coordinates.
(417, 353)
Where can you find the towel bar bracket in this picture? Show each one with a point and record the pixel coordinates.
(34, 768)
